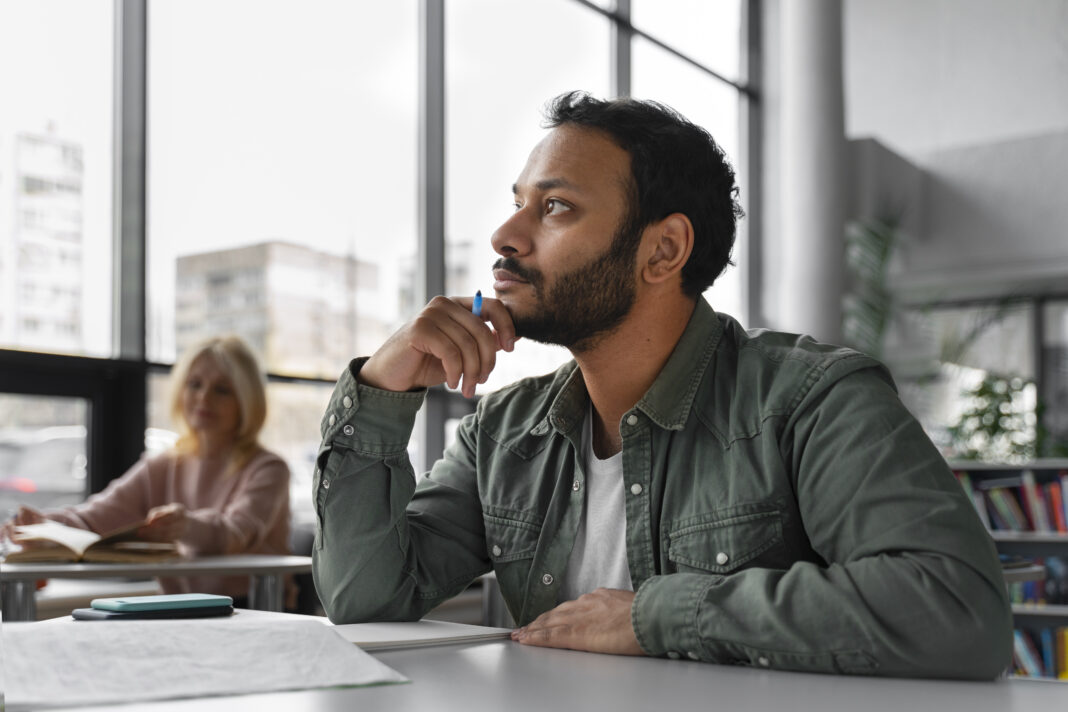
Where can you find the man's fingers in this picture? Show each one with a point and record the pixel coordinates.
(494, 311)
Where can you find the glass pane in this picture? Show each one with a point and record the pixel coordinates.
(509, 76)
(968, 374)
(710, 103)
(294, 411)
(55, 175)
(707, 31)
(282, 177)
(1054, 394)
(42, 452)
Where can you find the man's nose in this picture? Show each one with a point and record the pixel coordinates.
(513, 237)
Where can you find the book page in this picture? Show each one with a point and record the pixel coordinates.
(77, 540)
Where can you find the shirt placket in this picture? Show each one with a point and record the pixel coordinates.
(637, 456)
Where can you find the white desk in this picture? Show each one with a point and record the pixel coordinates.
(265, 586)
(503, 675)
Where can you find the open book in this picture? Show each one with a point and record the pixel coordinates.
(52, 541)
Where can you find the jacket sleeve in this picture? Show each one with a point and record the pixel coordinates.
(386, 549)
(912, 584)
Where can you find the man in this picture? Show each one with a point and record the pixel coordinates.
(682, 488)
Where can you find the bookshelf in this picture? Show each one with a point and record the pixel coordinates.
(1025, 509)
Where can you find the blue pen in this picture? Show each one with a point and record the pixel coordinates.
(476, 306)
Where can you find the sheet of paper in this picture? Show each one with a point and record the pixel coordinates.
(380, 636)
(67, 662)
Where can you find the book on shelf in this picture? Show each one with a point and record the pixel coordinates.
(52, 541)
(1025, 655)
(1036, 507)
(1055, 500)
(1041, 653)
(1019, 502)
(1006, 509)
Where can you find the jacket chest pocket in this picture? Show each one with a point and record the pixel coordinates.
(722, 542)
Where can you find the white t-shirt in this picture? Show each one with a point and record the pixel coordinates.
(599, 558)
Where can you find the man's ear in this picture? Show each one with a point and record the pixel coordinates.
(670, 244)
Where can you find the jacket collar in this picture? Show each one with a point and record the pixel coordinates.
(669, 400)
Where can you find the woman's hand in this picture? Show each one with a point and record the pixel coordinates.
(165, 523)
(25, 515)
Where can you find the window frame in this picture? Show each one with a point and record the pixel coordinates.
(116, 388)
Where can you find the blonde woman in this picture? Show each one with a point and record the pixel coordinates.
(218, 491)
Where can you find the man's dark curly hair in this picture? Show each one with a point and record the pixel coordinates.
(675, 166)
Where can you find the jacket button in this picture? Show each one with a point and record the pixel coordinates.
(326, 484)
(547, 579)
(576, 485)
(722, 558)
(496, 550)
(635, 488)
(348, 430)
(632, 419)
(347, 402)
(692, 655)
(332, 419)
(764, 662)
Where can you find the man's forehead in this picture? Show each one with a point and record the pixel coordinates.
(576, 158)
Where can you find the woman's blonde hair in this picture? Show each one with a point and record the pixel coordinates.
(236, 360)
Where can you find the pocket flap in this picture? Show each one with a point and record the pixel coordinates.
(722, 542)
(510, 539)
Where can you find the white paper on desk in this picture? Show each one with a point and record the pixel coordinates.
(383, 636)
(99, 662)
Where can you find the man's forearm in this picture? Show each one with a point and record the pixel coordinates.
(907, 615)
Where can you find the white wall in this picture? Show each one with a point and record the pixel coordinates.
(929, 75)
(975, 94)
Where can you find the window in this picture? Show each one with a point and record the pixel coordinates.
(280, 146)
(42, 452)
(56, 174)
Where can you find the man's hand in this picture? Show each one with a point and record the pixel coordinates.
(167, 522)
(446, 343)
(598, 622)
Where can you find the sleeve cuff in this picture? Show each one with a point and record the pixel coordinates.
(368, 419)
(665, 615)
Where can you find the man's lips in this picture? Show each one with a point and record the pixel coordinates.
(505, 279)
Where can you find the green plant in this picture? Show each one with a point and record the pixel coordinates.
(998, 425)
(868, 304)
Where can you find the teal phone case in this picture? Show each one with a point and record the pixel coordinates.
(168, 601)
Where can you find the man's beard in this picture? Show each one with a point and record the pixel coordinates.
(584, 304)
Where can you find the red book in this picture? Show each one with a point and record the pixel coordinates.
(1055, 500)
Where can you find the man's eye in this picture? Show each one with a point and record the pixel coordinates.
(555, 207)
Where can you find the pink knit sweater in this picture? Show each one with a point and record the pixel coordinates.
(243, 512)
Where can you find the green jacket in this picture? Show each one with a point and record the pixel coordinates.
(784, 510)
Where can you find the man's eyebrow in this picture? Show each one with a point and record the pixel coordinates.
(550, 184)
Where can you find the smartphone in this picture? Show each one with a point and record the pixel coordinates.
(98, 614)
(165, 602)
